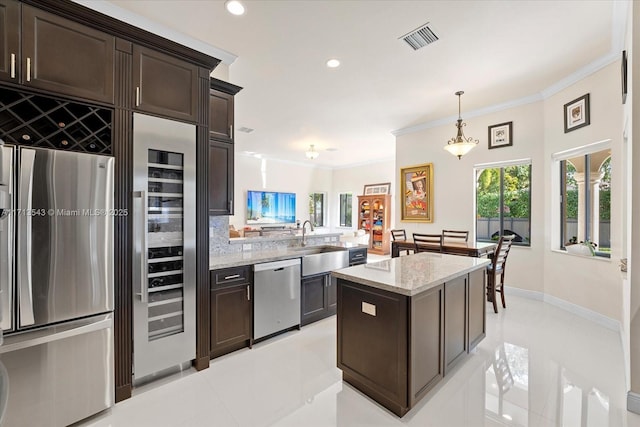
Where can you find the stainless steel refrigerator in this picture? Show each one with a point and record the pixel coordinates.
(164, 233)
(56, 282)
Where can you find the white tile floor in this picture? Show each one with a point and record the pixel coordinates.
(554, 369)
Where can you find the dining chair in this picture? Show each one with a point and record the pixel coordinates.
(455, 234)
(400, 235)
(427, 242)
(497, 268)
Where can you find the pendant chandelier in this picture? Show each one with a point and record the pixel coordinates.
(311, 153)
(460, 145)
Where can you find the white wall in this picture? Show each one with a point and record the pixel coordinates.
(592, 284)
(279, 176)
(353, 180)
(454, 180)
(538, 132)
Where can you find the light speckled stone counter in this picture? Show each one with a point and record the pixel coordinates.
(254, 257)
(411, 275)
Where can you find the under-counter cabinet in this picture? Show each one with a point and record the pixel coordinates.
(318, 297)
(231, 309)
(164, 84)
(48, 52)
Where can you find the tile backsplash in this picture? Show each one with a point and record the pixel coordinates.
(219, 243)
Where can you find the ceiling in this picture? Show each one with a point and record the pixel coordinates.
(496, 51)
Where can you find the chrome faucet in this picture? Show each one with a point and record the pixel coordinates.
(303, 230)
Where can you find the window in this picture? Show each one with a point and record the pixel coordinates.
(345, 210)
(585, 200)
(317, 209)
(503, 201)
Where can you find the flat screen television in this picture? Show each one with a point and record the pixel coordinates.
(271, 207)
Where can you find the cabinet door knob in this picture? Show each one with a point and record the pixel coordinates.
(248, 293)
(137, 96)
(28, 69)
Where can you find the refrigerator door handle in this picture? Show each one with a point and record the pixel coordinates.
(44, 338)
(140, 230)
(25, 184)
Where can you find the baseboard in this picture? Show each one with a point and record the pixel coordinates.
(524, 293)
(633, 402)
(576, 309)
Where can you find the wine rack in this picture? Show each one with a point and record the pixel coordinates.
(165, 263)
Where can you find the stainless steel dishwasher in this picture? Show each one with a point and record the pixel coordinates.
(276, 302)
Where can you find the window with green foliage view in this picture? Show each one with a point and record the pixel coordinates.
(585, 207)
(503, 203)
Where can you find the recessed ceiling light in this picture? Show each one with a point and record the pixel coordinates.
(234, 7)
(333, 63)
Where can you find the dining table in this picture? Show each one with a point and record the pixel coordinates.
(472, 249)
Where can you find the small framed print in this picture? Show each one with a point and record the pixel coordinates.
(376, 189)
(576, 114)
(501, 135)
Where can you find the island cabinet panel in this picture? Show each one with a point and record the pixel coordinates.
(231, 310)
(164, 85)
(455, 321)
(427, 340)
(372, 343)
(477, 313)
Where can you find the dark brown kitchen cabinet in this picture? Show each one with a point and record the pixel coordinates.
(9, 39)
(164, 84)
(221, 115)
(319, 298)
(455, 321)
(48, 52)
(231, 310)
(477, 322)
(221, 166)
(221, 148)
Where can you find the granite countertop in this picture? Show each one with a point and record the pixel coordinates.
(254, 257)
(411, 275)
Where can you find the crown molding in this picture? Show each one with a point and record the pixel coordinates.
(620, 11)
(131, 18)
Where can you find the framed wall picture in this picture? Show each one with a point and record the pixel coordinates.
(576, 113)
(375, 189)
(416, 193)
(623, 76)
(501, 135)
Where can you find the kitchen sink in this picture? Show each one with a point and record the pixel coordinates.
(322, 259)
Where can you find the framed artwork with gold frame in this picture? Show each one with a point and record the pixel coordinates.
(416, 191)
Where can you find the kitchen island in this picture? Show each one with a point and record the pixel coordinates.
(404, 323)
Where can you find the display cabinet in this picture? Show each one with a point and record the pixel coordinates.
(374, 216)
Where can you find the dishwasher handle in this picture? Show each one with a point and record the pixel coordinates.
(276, 265)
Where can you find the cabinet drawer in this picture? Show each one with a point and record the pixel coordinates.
(231, 276)
(357, 256)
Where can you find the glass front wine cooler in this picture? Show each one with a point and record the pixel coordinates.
(165, 260)
(164, 244)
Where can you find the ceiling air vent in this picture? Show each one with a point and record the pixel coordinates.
(244, 129)
(421, 37)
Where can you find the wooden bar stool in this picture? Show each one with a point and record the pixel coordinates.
(496, 268)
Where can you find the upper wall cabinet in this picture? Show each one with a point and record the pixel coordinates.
(55, 54)
(221, 115)
(165, 85)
